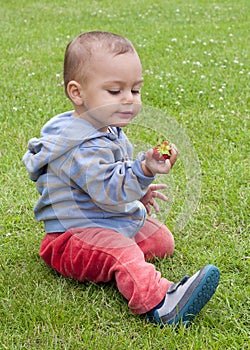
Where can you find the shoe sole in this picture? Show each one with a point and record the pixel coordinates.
(195, 298)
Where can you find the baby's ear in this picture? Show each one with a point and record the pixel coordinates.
(75, 92)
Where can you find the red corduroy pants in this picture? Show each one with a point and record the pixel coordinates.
(101, 255)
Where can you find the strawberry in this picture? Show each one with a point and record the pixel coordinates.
(162, 151)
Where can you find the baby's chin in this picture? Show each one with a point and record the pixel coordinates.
(120, 125)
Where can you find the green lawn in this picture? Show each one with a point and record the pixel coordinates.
(196, 92)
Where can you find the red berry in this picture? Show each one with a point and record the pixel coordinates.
(162, 151)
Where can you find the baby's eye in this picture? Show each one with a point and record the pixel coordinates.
(114, 92)
(135, 91)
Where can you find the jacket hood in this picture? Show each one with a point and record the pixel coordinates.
(58, 136)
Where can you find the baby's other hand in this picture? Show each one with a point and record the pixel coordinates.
(149, 198)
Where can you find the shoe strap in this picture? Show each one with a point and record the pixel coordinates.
(175, 286)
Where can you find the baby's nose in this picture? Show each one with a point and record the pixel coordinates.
(127, 97)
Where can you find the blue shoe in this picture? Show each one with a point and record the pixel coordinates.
(185, 299)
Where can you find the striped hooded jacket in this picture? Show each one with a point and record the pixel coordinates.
(86, 178)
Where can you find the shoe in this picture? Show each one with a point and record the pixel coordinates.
(185, 299)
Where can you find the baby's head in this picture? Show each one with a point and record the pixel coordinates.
(81, 50)
(103, 78)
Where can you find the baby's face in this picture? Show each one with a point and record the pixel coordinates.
(111, 94)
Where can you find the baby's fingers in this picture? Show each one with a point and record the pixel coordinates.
(174, 154)
(159, 195)
(148, 209)
(155, 205)
(156, 187)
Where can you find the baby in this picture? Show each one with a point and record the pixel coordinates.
(94, 197)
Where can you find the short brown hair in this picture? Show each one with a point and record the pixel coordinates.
(80, 50)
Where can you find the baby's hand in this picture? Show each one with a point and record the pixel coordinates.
(149, 198)
(151, 166)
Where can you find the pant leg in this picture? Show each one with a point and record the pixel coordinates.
(155, 239)
(99, 255)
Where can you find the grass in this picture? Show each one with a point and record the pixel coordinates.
(195, 56)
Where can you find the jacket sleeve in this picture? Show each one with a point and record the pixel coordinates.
(112, 183)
